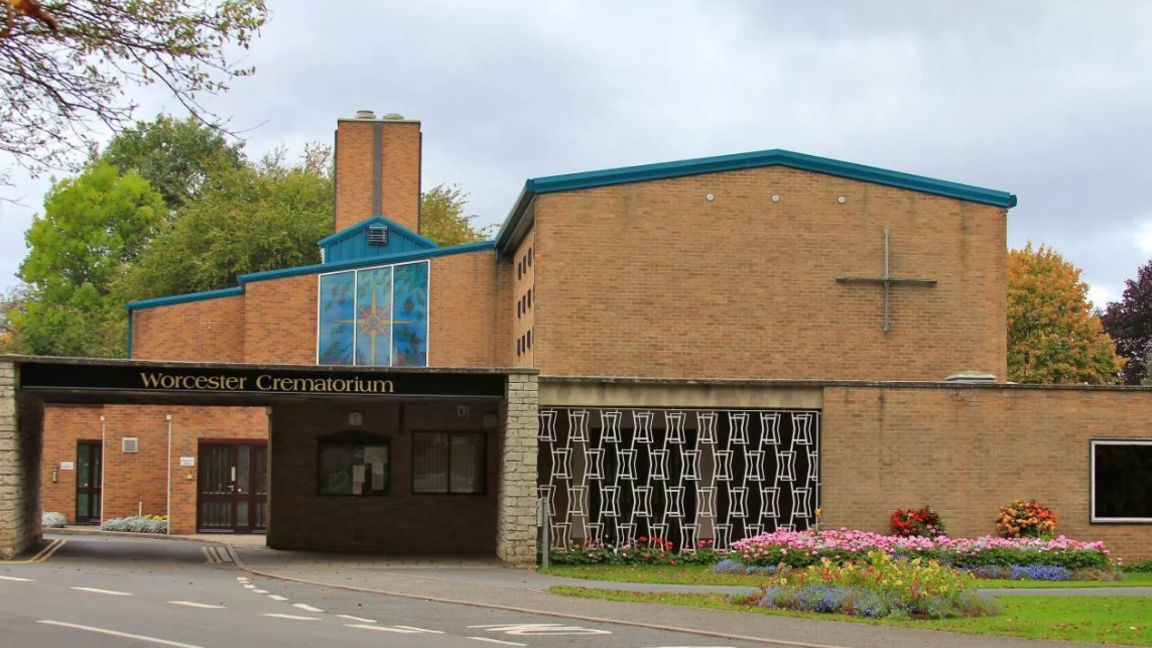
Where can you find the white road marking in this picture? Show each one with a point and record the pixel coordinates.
(18, 580)
(101, 591)
(197, 605)
(290, 616)
(260, 591)
(352, 618)
(539, 629)
(419, 629)
(497, 641)
(277, 597)
(242, 579)
(249, 586)
(383, 629)
(307, 608)
(398, 630)
(124, 635)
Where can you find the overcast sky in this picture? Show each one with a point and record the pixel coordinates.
(1049, 100)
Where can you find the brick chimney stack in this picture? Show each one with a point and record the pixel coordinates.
(377, 170)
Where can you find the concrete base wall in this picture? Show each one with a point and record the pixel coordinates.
(19, 468)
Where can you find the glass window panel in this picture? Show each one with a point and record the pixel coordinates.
(467, 463)
(335, 469)
(82, 467)
(410, 315)
(430, 463)
(243, 464)
(336, 318)
(354, 468)
(1123, 486)
(374, 317)
(82, 506)
(242, 513)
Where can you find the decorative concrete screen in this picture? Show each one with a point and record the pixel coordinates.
(375, 317)
(612, 476)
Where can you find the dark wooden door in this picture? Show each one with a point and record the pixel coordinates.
(233, 496)
(89, 481)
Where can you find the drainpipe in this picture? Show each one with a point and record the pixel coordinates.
(103, 451)
(168, 507)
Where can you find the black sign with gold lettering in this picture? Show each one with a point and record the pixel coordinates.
(225, 380)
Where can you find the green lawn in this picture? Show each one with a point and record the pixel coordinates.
(703, 575)
(1104, 619)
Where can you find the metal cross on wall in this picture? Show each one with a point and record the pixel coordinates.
(887, 281)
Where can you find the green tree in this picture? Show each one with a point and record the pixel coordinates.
(442, 217)
(93, 226)
(175, 155)
(1053, 337)
(63, 75)
(262, 216)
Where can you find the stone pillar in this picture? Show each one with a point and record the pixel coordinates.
(516, 492)
(19, 471)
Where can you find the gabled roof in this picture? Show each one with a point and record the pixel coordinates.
(394, 227)
(512, 229)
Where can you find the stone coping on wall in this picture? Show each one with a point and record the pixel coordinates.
(24, 359)
(819, 383)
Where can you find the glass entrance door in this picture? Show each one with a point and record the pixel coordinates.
(233, 496)
(89, 481)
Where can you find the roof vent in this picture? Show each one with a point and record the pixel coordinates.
(971, 377)
(377, 235)
(393, 117)
(365, 114)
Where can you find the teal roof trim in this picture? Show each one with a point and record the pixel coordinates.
(753, 160)
(184, 299)
(364, 263)
(376, 220)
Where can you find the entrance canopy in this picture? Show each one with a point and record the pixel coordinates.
(508, 395)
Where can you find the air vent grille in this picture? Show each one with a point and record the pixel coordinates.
(130, 444)
(377, 235)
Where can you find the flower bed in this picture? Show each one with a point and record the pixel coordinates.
(647, 551)
(137, 524)
(879, 586)
(805, 548)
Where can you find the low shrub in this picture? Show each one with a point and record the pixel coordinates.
(50, 520)
(137, 524)
(923, 523)
(878, 586)
(1144, 567)
(729, 566)
(1026, 519)
(646, 551)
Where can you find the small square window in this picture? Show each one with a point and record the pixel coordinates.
(353, 465)
(449, 463)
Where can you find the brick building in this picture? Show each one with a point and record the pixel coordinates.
(724, 345)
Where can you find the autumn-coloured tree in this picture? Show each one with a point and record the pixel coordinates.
(1129, 322)
(1053, 337)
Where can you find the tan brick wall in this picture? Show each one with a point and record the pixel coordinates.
(465, 316)
(140, 480)
(652, 279)
(968, 452)
(400, 172)
(523, 311)
(192, 426)
(65, 427)
(206, 331)
(280, 322)
(400, 522)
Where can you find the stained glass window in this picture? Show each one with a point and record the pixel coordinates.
(376, 317)
(337, 310)
(410, 318)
